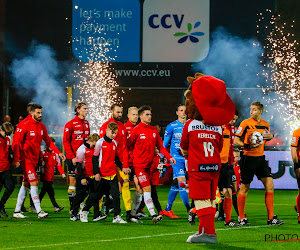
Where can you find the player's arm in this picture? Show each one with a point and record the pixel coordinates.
(59, 167)
(67, 141)
(294, 146)
(162, 149)
(17, 140)
(240, 135)
(184, 142)
(79, 161)
(168, 136)
(95, 159)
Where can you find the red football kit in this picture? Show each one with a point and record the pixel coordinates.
(204, 144)
(4, 154)
(128, 127)
(142, 141)
(84, 156)
(51, 160)
(76, 132)
(27, 143)
(106, 150)
(120, 138)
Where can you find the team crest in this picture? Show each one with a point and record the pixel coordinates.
(154, 135)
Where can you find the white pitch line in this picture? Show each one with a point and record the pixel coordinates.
(131, 238)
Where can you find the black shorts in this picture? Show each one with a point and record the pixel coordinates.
(71, 167)
(132, 173)
(296, 166)
(227, 176)
(254, 165)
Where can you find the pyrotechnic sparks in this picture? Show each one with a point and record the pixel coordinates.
(97, 87)
(282, 69)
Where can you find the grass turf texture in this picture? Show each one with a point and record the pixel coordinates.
(57, 231)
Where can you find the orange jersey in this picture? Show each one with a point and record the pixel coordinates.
(295, 140)
(226, 145)
(245, 130)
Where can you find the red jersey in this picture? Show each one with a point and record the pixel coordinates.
(84, 155)
(142, 141)
(51, 160)
(120, 138)
(18, 131)
(4, 154)
(76, 132)
(27, 143)
(237, 172)
(128, 127)
(107, 150)
(204, 144)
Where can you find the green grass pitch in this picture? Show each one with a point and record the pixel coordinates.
(58, 232)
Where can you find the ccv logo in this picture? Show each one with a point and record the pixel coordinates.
(167, 21)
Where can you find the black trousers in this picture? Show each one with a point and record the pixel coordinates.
(6, 180)
(48, 188)
(101, 187)
(82, 191)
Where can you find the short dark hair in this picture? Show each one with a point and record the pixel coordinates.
(144, 108)
(179, 106)
(112, 107)
(35, 106)
(236, 150)
(112, 126)
(7, 127)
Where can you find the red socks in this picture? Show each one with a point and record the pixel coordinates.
(227, 209)
(241, 205)
(207, 220)
(269, 200)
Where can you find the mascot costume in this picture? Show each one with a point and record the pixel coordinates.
(208, 107)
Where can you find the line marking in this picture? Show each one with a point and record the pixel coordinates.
(132, 238)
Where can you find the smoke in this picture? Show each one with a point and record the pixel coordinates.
(38, 77)
(237, 62)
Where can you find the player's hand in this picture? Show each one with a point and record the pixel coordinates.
(16, 164)
(62, 156)
(74, 161)
(97, 177)
(63, 176)
(126, 170)
(84, 182)
(267, 135)
(172, 160)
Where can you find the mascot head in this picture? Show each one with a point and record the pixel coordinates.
(207, 100)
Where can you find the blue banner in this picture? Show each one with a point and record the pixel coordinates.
(106, 30)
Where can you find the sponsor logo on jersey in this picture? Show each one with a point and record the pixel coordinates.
(142, 136)
(208, 167)
(204, 127)
(75, 122)
(207, 136)
(177, 135)
(78, 132)
(32, 133)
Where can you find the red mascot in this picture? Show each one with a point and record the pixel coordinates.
(208, 106)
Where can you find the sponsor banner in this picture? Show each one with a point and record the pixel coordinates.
(282, 168)
(175, 30)
(107, 30)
